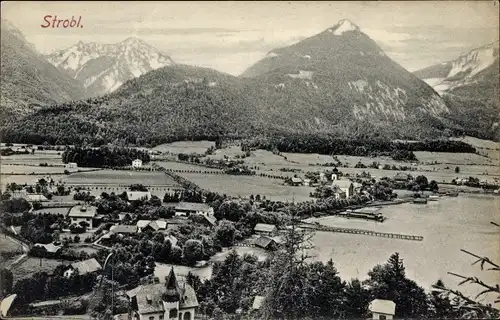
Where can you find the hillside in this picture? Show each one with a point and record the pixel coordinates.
(341, 80)
(338, 82)
(471, 90)
(27, 79)
(167, 104)
(102, 68)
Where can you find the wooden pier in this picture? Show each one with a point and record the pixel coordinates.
(319, 227)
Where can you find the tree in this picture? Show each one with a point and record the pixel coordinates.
(457, 169)
(422, 182)
(433, 186)
(440, 306)
(389, 282)
(357, 300)
(473, 308)
(225, 232)
(6, 282)
(192, 251)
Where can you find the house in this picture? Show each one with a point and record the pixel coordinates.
(382, 309)
(307, 182)
(322, 177)
(81, 213)
(335, 176)
(265, 229)
(137, 163)
(402, 177)
(267, 243)
(33, 197)
(123, 229)
(83, 267)
(296, 181)
(346, 186)
(50, 248)
(209, 221)
(138, 195)
(338, 193)
(71, 165)
(170, 300)
(123, 216)
(152, 225)
(185, 209)
(257, 302)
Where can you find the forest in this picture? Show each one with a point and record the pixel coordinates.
(103, 157)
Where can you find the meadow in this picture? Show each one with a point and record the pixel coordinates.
(184, 147)
(244, 186)
(120, 177)
(32, 265)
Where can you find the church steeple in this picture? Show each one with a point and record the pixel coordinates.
(172, 292)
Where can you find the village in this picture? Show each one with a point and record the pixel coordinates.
(86, 220)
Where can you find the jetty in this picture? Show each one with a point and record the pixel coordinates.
(320, 227)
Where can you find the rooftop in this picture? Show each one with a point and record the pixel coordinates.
(343, 183)
(382, 306)
(82, 211)
(192, 206)
(265, 227)
(86, 266)
(138, 195)
(150, 296)
(121, 228)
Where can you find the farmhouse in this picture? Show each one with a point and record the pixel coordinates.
(50, 248)
(185, 209)
(346, 186)
(267, 243)
(137, 163)
(152, 225)
(265, 229)
(382, 309)
(78, 214)
(33, 197)
(71, 165)
(338, 193)
(138, 195)
(295, 181)
(402, 177)
(257, 302)
(123, 229)
(170, 300)
(83, 267)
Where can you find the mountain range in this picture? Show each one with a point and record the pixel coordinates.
(28, 80)
(102, 68)
(337, 82)
(470, 86)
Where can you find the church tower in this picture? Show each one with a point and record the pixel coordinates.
(171, 297)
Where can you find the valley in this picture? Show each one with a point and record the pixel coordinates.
(323, 180)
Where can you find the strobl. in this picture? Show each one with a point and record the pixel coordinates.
(51, 21)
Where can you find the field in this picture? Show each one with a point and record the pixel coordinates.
(36, 169)
(32, 265)
(8, 245)
(184, 147)
(120, 177)
(183, 166)
(244, 186)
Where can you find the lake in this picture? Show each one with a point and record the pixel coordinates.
(447, 226)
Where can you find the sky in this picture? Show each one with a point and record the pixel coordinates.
(230, 36)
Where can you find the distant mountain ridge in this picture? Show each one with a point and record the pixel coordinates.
(102, 68)
(28, 81)
(470, 86)
(340, 78)
(336, 82)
